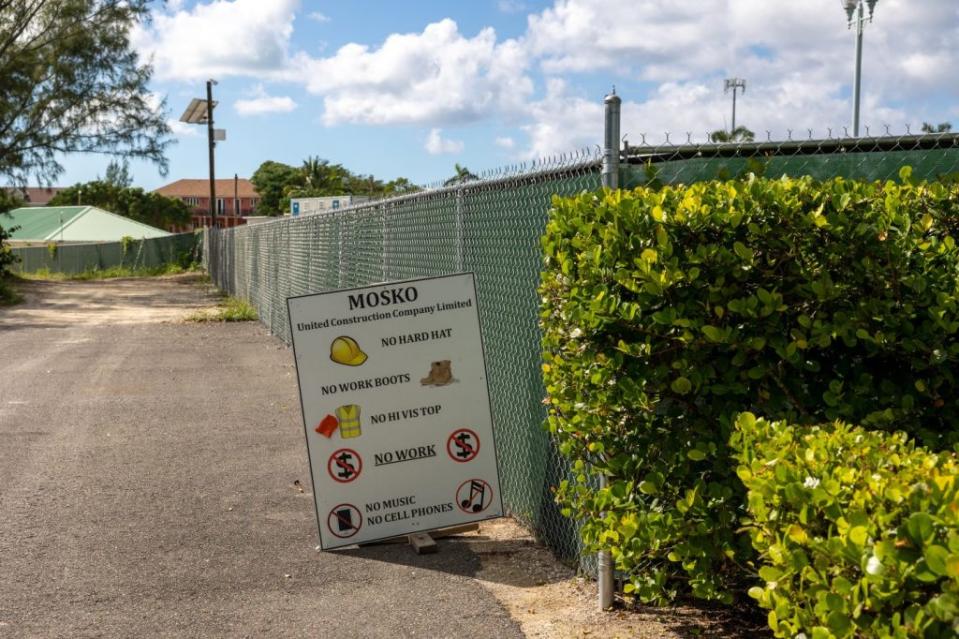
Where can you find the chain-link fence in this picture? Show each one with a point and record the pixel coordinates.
(492, 227)
(930, 156)
(73, 259)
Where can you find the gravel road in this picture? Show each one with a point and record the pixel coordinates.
(147, 471)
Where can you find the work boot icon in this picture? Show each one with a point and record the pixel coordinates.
(441, 374)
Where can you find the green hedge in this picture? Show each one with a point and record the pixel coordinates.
(857, 530)
(667, 311)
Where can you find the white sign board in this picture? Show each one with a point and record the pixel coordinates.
(396, 408)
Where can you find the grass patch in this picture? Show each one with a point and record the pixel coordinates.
(9, 295)
(230, 309)
(113, 272)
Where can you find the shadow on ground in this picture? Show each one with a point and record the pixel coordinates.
(461, 555)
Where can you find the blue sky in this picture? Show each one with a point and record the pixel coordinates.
(409, 89)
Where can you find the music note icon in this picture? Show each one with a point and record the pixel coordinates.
(477, 498)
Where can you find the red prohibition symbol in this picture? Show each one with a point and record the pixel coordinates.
(344, 521)
(463, 445)
(474, 496)
(344, 465)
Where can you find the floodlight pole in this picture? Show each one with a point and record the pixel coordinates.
(856, 13)
(212, 144)
(857, 77)
(735, 84)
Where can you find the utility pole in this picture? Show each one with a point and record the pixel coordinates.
(212, 144)
(734, 84)
(200, 111)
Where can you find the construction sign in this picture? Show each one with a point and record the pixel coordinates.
(396, 408)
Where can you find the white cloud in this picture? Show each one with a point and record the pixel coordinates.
(436, 144)
(505, 142)
(219, 39)
(182, 129)
(511, 6)
(316, 16)
(263, 103)
(435, 77)
(797, 58)
(562, 122)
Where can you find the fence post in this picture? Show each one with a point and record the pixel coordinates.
(385, 212)
(459, 229)
(611, 141)
(604, 564)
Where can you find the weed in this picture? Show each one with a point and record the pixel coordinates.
(110, 273)
(9, 295)
(230, 309)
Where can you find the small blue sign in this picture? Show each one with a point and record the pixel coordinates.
(296, 209)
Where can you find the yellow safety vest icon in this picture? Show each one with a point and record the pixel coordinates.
(349, 418)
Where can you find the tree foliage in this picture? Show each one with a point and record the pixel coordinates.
(864, 549)
(132, 202)
(462, 174)
(118, 173)
(943, 127)
(739, 134)
(8, 200)
(276, 183)
(71, 83)
(668, 311)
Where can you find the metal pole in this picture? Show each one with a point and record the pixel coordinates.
(236, 194)
(604, 560)
(212, 145)
(611, 141)
(857, 79)
(733, 129)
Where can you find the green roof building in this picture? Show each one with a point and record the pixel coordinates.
(73, 224)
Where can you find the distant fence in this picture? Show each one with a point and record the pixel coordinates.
(930, 156)
(493, 227)
(73, 259)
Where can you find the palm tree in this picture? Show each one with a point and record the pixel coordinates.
(463, 174)
(945, 127)
(739, 134)
(314, 171)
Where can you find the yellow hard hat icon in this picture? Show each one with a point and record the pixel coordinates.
(344, 350)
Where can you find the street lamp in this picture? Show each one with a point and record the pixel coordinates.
(200, 111)
(856, 14)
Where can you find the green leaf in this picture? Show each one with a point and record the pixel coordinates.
(648, 488)
(744, 252)
(820, 632)
(919, 528)
(839, 623)
(770, 573)
(936, 558)
(858, 535)
(681, 386)
(713, 333)
(695, 454)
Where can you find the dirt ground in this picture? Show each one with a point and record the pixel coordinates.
(550, 601)
(51, 304)
(543, 597)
